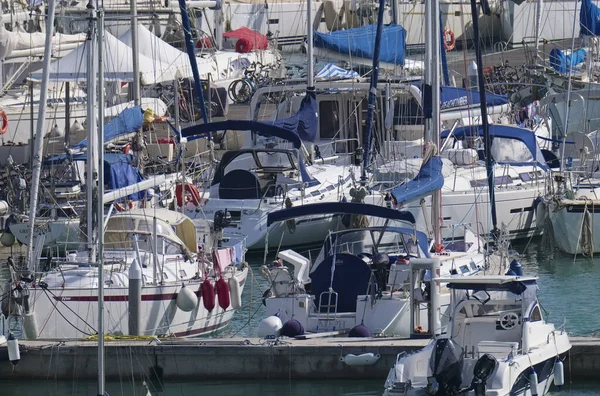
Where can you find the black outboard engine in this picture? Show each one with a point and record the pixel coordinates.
(446, 366)
(381, 265)
(482, 371)
(221, 220)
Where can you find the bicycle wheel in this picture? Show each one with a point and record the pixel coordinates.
(240, 91)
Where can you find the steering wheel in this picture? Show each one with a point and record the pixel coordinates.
(509, 320)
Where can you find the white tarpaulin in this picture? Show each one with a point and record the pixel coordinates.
(118, 65)
(159, 51)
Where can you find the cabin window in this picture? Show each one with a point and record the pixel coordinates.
(243, 161)
(510, 150)
(329, 119)
(536, 314)
(408, 112)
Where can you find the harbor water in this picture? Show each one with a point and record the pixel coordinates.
(236, 388)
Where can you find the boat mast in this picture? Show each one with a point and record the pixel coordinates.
(310, 75)
(92, 165)
(489, 166)
(372, 91)
(189, 46)
(431, 99)
(38, 150)
(100, 203)
(135, 53)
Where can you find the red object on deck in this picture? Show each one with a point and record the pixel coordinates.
(248, 39)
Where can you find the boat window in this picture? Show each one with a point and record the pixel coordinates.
(364, 241)
(243, 161)
(329, 119)
(66, 212)
(536, 314)
(510, 150)
(274, 159)
(408, 112)
(45, 212)
(170, 247)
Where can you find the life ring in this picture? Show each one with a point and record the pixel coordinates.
(127, 205)
(449, 41)
(191, 194)
(4, 122)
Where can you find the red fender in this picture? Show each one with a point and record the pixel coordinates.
(208, 295)
(223, 293)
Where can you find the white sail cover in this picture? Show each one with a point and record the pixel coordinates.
(34, 42)
(158, 50)
(118, 65)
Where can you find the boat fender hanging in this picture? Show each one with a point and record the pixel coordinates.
(30, 326)
(559, 373)
(190, 193)
(449, 40)
(360, 331)
(234, 293)
(533, 382)
(187, 300)
(208, 295)
(14, 355)
(292, 328)
(7, 239)
(270, 327)
(365, 359)
(223, 293)
(4, 117)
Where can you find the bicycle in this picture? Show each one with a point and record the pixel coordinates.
(256, 76)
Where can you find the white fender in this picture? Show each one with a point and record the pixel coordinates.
(559, 373)
(234, 293)
(533, 383)
(366, 359)
(186, 299)
(14, 355)
(30, 326)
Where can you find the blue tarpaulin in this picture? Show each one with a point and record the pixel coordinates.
(428, 180)
(589, 19)
(561, 62)
(360, 42)
(118, 170)
(302, 126)
(453, 97)
(128, 121)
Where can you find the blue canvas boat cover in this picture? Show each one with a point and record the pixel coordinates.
(360, 42)
(118, 170)
(128, 121)
(428, 180)
(454, 97)
(562, 62)
(302, 126)
(341, 208)
(589, 19)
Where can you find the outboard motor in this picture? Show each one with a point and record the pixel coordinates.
(482, 371)
(381, 265)
(221, 220)
(446, 366)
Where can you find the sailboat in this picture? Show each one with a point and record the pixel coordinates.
(156, 264)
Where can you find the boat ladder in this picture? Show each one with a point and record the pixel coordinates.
(328, 301)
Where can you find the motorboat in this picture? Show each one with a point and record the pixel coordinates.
(497, 343)
(362, 276)
(158, 247)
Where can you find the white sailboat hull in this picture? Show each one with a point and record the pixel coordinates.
(78, 308)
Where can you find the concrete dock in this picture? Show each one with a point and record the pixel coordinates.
(240, 358)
